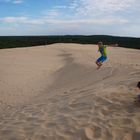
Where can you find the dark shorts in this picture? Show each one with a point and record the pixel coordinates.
(102, 59)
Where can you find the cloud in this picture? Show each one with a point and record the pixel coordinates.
(87, 9)
(17, 1)
(79, 17)
(5, 0)
(57, 11)
(43, 26)
(44, 20)
(51, 14)
(102, 21)
(21, 20)
(96, 7)
(12, 1)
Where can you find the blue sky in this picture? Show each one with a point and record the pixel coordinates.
(70, 17)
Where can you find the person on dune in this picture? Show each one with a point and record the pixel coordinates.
(102, 50)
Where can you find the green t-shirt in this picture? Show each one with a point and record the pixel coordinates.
(103, 50)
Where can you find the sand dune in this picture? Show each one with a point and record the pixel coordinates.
(55, 92)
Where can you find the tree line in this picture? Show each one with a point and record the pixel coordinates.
(27, 41)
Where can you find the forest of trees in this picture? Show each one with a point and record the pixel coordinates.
(27, 41)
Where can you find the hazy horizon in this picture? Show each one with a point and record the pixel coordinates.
(64, 35)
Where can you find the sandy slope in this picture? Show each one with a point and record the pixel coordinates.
(56, 93)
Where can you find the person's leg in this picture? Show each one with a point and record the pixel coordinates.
(103, 59)
(98, 61)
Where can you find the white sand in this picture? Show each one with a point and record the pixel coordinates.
(57, 93)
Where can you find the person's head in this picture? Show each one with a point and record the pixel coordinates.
(138, 84)
(100, 44)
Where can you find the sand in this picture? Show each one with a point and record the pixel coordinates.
(55, 92)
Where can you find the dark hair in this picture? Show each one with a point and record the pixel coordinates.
(138, 84)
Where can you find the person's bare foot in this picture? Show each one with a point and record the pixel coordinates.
(99, 64)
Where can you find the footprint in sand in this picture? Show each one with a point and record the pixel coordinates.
(105, 112)
(123, 122)
(94, 132)
(81, 105)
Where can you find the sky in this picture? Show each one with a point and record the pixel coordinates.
(70, 17)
